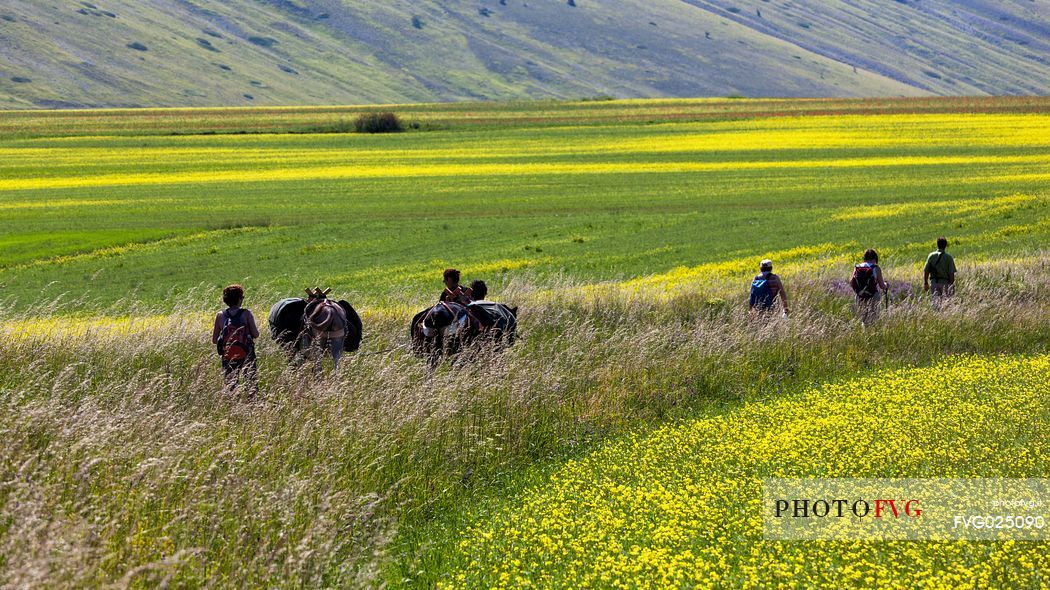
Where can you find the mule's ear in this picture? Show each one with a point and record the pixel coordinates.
(514, 311)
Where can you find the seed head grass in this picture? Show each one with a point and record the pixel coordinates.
(125, 463)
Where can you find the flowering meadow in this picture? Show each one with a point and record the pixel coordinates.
(680, 506)
(619, 442)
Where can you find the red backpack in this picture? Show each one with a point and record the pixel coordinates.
(863, 281)
(236, 342)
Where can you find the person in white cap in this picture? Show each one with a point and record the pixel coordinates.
(765, 288)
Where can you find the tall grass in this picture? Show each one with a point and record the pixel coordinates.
(124, 463)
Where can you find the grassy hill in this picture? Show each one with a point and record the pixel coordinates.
(267, 52)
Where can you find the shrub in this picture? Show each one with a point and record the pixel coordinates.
(262, 41)
(207, 44)
(378, 123)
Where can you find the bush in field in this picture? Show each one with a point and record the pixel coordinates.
(378, 123)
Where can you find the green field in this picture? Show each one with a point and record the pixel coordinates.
(626, 231)
(378, 217)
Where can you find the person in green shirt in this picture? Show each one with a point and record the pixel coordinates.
(938, 275)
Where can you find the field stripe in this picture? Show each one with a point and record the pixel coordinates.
(531, 169)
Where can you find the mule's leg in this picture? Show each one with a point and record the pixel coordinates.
(336, 345)
(433, 351)
(317, 352)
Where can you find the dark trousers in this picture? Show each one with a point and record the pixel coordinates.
(245, 369)
(941, 293)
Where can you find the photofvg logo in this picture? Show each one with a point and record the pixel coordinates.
(842, 508)
(902, 509)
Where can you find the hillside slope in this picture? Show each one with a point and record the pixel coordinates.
(70, 53)
(944, 46)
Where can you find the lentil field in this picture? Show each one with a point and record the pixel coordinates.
(620, 443)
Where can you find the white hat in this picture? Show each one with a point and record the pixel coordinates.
(767, 263)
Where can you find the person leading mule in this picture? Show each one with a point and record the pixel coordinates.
(234, 335)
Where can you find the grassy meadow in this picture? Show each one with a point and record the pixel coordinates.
(105, 217)
(626, 231)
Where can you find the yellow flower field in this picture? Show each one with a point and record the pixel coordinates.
(679, 507)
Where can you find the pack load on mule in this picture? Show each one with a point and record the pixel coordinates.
(498, 321)
(449, 326)
(296, 322)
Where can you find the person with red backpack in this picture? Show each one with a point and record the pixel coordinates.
(870, 287)
(765, 289)
(234, 337)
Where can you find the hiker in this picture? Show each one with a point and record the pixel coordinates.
(765, 288)
(478, 305)
(234, 337)
(868, 284)
(938, 275)
(327, 324)
(454, 292)
(478, 291)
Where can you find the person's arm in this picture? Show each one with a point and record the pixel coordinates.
(879, 281)
(252, 329)
(217, 329)
(784, 299)
(951, 271)
(927, 271)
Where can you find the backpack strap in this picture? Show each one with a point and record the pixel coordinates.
(936, 272)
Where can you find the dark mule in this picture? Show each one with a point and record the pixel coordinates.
(290, 324)
(448, 328)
